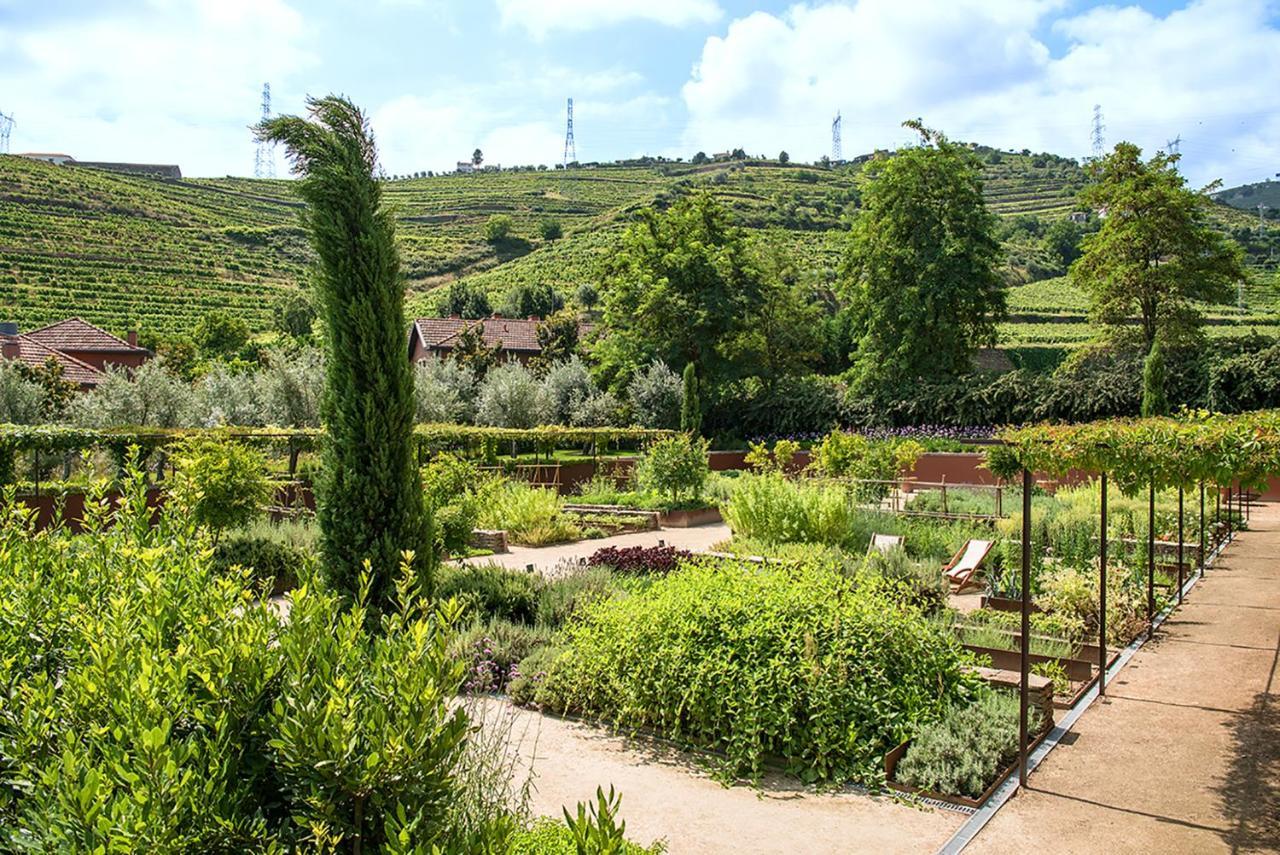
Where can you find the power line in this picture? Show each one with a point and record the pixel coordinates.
(570, 147)
(264, 162)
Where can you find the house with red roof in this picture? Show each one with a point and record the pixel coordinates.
(83, 350)
(515, 338)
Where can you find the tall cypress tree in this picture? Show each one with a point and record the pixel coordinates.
(690, 405)
(370, 504)
(1154, 400)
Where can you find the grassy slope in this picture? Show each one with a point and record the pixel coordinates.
(122, 250)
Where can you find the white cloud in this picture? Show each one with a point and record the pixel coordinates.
(540, 17)
(178, 82)
(978, 71)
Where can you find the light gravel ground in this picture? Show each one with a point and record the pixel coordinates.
(545, 558)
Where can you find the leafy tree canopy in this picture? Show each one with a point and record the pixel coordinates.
(921, 269)
(1155, 254)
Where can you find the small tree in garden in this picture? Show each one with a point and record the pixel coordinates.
(676, 466)
(370, 500)
(656, 395)
(1154, 400)
(472, 353)
(690, 406)
(220, 484)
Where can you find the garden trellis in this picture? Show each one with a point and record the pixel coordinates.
(1181, 452)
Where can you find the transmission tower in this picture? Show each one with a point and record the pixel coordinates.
(264, 163)
(836, 154)
(570, 149)
(6, 126)
(1098, 128)
(1171, 147)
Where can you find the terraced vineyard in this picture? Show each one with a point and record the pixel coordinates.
(127, 251)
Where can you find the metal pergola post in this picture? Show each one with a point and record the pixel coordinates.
(1202, 558)
(1180, 522)
(1102, 595)
(1151, 558)
(1025, 642)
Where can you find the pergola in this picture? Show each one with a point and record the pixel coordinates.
(1235, 453)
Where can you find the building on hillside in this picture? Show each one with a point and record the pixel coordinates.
(151, 170)
(83, 350)
(516, 338)
(466, 166)
(47, 157)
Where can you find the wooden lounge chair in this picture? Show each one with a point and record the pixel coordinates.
(963, 567)
(884, 543)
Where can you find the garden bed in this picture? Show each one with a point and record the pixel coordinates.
(1011, 660)
(891, 765)
(691, 517)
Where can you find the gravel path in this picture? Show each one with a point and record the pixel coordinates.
(667, 795)
(1184, 754)
(545, 558)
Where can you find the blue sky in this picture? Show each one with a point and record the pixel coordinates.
(179, 80)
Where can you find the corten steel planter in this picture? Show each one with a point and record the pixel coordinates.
(690, 518)
(892, 759)
(1005, 604)
(1011, 660)
(69, 507)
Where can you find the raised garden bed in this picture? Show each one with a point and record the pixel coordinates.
(891, 765)
(1011, 660)
(690, 518)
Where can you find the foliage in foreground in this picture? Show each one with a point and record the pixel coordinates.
(762, 662)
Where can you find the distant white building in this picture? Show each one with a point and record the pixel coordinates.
(48, 157)
(466, 166)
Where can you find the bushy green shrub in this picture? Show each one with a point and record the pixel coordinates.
(676, 466)
(551, 837)
(775, 510)
(447, 483)
(518, 508)
(220, 484)
(265, 559)
(922, 583)
(531, 673)
(153, 704)
(795, 663)
(567, 594)
(491, 649)
(491, 591)
(961, 753)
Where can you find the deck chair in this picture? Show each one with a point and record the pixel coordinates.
(884, 543)
(963, 567)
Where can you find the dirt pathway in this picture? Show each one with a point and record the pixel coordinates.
(545, 558)
(1184, 754)
(667, 795)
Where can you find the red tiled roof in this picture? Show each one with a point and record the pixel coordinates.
(515, 334)
(35, 354)
(75, 334)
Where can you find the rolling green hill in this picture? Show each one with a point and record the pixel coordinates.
(127, 251)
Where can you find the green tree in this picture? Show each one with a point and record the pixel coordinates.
(498, 228)
(783, 157)
(293, 315)
(370, 499)
(558, 337)
(57, 391)
(550, 229)
(783, 333)
(220, 335)
(477, 157)
(472, 353)
(220, 484)
(921, 270)
(690, 406)
(465, 300)
(1155, 254)
(1154, 400)
(679, 288)
(531, 300)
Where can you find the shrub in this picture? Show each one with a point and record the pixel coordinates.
(510, 396)
(444, 391)
(446, 484)
(757, 662)
(676, 466)
(491, 591)
(266, 559)
(21, 398)
(491, 649)
(498, 228)
(922, 583)
(638, 559)
(550, 229)
(772, 509)
(521, 510)
(568, 593)
(962, 752)
(220, 484)
(565, 386)
(655, 395)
